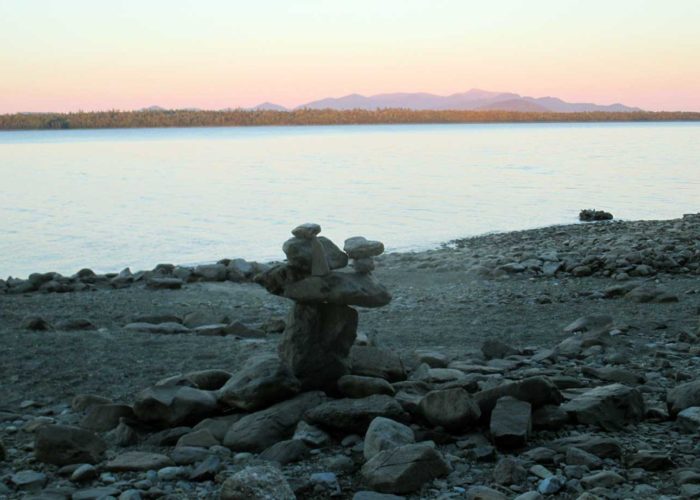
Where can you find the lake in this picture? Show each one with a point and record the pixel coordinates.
(108, 199)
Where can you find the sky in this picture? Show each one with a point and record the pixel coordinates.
(69, 55)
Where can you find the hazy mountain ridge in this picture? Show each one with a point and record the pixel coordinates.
(474, 99)
(471, 100)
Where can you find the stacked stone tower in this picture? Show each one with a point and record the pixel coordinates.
(322, 326)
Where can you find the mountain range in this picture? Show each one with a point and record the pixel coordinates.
(474, 99)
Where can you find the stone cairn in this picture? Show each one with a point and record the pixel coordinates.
(322, 326)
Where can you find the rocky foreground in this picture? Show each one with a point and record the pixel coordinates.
(560, 362)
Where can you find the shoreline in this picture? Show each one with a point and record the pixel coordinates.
(449, 245)
(492, 311)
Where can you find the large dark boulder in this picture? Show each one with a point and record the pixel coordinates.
(66, 445)
(263, 381)
(169, 406)
(316, 343)
(355, 415)
(404, 469)
(260, 430)
(609, 406)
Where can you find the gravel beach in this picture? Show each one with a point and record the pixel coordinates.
(66, 337)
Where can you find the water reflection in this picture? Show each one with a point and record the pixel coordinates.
(115, 198)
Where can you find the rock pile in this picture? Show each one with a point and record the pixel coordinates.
(591, 215)
(322, 326)
(619, 250)
(162, 277)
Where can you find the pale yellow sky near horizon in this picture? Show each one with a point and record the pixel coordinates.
(67, 55)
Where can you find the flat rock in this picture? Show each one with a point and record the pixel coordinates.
(357, 386)
(602, 479)
(75, 324)
(210, 272)
(164, 328)
(202, 438)
(105, 417)
(603, 447)
(385, 434)
(683, 396)
(376, 362)
(82, 402)
(650, 293)
(359, 247)
(65, 445)
(286, 452)
(203, 317)
(156, 318)
(434, 359)
(167, 437)
(138, 461)
(609, 406)
(169, 406)
(404, 469)
(218, 426)
(28, 480)
(208, 380)
(577, 456)
(511, 422)
(240, 330)
(549, 417)
(97, 493)
(653, 460)
(612, 374)
(340, 288)
(688, 420)
(262, 381)
(260, 430)
(156, 283)
(495, 349)
(355, 415)
(592, 322)
(453, 409)
(261, 482)
(188, 455)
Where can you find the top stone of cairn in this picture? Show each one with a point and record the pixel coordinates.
(306, 231)
(359, 247)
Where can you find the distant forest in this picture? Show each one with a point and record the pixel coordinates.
(245, 118)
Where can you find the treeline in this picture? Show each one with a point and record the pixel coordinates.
(244, 118)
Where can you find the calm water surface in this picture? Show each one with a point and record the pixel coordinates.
(108, 199)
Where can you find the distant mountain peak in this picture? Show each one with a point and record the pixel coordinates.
(269, 106)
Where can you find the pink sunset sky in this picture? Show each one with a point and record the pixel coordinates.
(83, 55)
